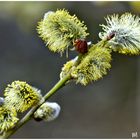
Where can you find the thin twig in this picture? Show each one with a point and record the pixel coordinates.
(28, 116)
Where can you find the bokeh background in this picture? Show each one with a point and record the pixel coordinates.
(108, 108)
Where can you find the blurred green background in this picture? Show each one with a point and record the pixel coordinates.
(108, 108)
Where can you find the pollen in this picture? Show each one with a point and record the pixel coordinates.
(93, 65)
(8, 118)
(59, 29)
(122, 33)
(21, 95)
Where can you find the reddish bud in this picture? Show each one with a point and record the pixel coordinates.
(81, 46)
(111, 35)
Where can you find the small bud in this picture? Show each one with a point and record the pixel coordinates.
(21, 95)
(47, 111)
(8, 118)
(81, 46)
(111, 35)
(59, 29)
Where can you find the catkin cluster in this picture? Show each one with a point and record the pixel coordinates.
(19, 97)
(59, 30)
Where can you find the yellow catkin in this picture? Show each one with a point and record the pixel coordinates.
(8, 118)
(93, 65)
(59, 29)
(21, 95)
